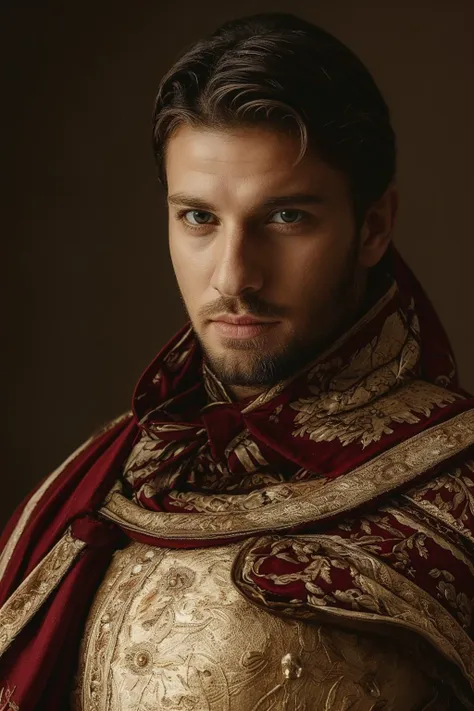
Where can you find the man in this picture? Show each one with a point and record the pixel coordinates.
(286, 518)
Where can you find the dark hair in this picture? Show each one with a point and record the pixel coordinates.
(279, 69)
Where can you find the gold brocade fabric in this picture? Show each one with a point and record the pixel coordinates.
(168, 630)
(309, 550)
(218, 629)
(346, 406)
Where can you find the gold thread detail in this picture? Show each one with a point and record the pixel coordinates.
(378, 594)
(27, 599)
(309, 501)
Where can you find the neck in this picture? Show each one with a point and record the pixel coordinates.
(240, 392)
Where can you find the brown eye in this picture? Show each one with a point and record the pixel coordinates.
(288, 217)
(198, 217)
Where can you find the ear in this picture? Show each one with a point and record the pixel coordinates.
(376, 232)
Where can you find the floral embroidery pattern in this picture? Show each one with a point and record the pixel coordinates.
(350, 405)
(307, 576)
(181, 637)
(36, 588)
(450, 497)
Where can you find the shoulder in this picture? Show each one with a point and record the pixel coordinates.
(37, 499)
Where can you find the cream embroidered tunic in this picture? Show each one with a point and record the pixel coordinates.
(168, 630)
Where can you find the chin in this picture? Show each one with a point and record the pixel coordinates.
(253, 370)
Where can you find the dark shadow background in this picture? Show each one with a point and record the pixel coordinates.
(89, 292)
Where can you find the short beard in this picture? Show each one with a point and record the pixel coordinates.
(264, 371)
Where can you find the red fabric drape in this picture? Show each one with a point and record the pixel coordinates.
(36, 671)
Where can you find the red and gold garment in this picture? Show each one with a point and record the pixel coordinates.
(349, 489)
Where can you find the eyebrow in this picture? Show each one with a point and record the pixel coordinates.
(277, 201)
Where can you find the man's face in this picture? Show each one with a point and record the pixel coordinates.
(264, 250)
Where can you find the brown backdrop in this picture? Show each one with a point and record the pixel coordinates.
(90, 294)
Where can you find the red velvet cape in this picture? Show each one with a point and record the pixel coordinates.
(64, 517)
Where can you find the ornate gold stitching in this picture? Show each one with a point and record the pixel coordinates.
(327, 418)
(441, 509)
(6, 702)
(179, 635)
(404, 517)
(27, 599)
(310, 500)
(105, 627)
(375, 594)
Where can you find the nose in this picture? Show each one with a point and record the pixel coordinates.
(239, 262)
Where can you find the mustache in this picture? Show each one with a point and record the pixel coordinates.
(248, 305)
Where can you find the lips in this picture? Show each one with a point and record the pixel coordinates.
(241, 326)
(239, 320)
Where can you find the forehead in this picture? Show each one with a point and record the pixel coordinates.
(246, 164)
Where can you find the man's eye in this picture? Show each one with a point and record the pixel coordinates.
(287, 217)
(198, 217)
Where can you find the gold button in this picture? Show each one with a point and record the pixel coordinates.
(291, 665)
(142, 659)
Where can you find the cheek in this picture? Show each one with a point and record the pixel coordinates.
(312, 266)
(191, 270)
